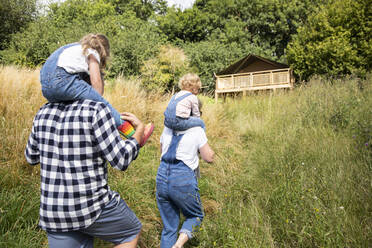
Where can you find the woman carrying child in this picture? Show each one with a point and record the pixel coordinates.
(176, 181)
(75, 72)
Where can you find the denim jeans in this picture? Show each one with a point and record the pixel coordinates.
(58, 85)
(177, 191)
(177, 123)
(182, 124)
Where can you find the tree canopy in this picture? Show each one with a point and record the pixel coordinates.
(335, 41)
(331, 37)
(14, 15)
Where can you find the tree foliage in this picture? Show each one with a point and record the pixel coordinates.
(336, 41)
(133, 40)
(184, 26)
(265, 24)
(326, 36)
(210, 57)
(161, 73)
(143, 9)
(14, 15)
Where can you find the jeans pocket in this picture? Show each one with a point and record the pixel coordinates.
(185, 189)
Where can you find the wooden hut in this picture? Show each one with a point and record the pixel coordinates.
(253, 73)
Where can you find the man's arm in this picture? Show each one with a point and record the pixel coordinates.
(32, 153)
(119, 153)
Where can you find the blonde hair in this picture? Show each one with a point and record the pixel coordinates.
(98, 42)
(189, 82)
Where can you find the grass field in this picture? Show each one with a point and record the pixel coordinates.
(293, 168)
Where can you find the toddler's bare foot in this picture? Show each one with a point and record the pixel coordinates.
(149, 128)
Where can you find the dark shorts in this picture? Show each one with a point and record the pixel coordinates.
(116, 224)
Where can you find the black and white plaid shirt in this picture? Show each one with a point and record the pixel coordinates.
(72, 142)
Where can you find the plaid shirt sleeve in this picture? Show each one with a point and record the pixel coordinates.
(32, 153)
(119, 153)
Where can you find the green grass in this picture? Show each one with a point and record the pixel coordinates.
(293, 169)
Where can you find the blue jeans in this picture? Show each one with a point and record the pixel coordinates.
(58, 85)
(177, 191)
(116, 224)
(174, 122)
(182, 124)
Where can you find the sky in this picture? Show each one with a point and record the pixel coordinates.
(182, 4)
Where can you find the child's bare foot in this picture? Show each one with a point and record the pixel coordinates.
(149, 128)
(182, 239)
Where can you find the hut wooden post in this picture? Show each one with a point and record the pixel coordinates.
(271, 77)
(215, 91)
(251, 80)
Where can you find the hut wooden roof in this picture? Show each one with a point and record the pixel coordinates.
(252, 63)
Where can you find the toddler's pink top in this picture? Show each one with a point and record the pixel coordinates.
(187, 106)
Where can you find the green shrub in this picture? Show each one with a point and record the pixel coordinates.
(334, 42)
(162, 73)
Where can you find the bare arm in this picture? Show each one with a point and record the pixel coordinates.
(95, 74)
(195, 107)
(206, 153)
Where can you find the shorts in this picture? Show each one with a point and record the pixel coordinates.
(116, 224)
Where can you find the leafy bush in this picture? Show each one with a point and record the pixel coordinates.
(336, 41)
(133, 42)
(163, 72)
(14, 15)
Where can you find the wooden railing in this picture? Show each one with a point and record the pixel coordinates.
(272, 79)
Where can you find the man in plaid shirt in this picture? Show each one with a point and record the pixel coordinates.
(73, 141)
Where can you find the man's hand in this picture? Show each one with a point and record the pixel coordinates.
(137, 124)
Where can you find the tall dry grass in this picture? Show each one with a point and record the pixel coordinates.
(20, 99)
(292, 169)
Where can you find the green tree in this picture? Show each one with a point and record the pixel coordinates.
(80, 11)
(336, 41)
(64, 23)
(184, 26)
(266, 24)
(133, 40)
(15, 15)
(162, 72)
(143, 9)
(209, 57)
